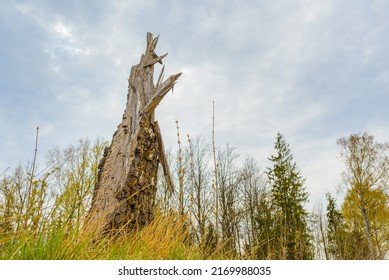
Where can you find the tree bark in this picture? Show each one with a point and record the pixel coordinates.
(124, 195)
(367, 230)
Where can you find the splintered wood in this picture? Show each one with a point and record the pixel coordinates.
(124, 196)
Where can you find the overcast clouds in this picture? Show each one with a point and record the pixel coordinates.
(313, 70)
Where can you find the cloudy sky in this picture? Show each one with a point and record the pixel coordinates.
(313, 70)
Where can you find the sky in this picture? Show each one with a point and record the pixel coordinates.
(314, 71)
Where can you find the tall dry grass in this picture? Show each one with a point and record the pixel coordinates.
(166, 237)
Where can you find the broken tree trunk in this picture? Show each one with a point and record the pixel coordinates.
(124, 195)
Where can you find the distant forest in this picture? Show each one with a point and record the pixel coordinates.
(219, 209)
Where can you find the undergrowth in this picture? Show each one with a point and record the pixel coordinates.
(165, 238)
(44, 216)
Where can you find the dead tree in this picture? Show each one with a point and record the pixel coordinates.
(124, 196)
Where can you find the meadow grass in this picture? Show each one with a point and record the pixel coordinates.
(165, 238)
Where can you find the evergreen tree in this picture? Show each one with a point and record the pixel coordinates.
(335, 229)
(292, 239)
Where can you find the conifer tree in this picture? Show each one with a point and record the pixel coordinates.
(292, 239)
(335, 229)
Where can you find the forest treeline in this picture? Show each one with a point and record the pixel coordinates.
(220, 209)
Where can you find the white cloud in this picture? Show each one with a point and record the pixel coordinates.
(63, 31)
(306, 69)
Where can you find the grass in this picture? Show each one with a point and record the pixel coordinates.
(165, 238)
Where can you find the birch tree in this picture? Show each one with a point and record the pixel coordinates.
(367, 172)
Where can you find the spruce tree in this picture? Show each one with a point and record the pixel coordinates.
(335, 229)
(292, 239)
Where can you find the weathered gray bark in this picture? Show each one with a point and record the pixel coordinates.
(125, 192)
(367, 230)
